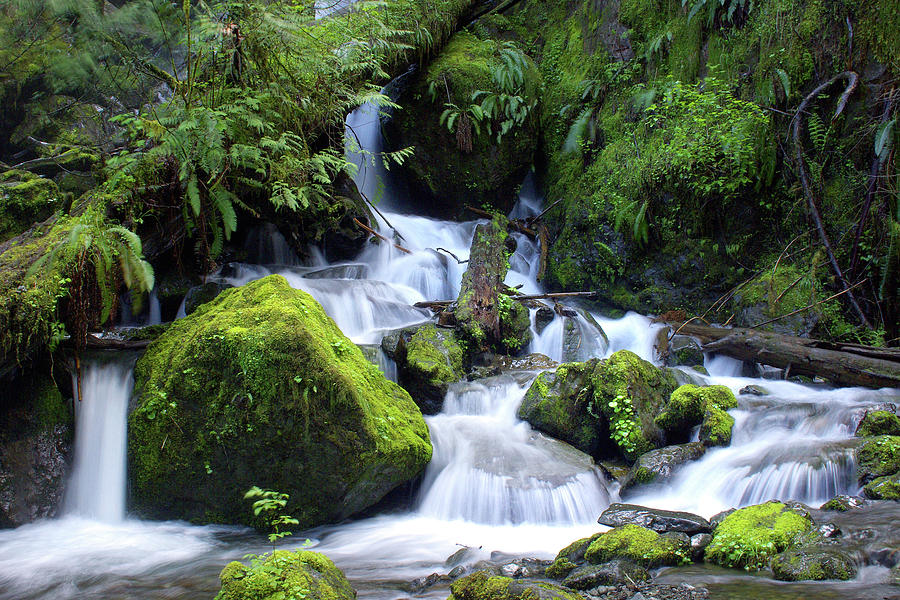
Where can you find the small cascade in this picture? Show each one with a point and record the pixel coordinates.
(97, 485)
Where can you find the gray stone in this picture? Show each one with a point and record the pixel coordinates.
(201, 294)
(614, 572)
(658, 465)
(684, 350)
(699, 542)
(843, 503)
(815, 563)
(543, 317)
(658, 520)
(753, 390)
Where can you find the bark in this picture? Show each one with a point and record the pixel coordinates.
(842, 364)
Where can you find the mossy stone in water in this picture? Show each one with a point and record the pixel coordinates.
(283, 574)
(260, 387)
(430, 361)
(884, 488)
(749, 537)
(813, 563)
(640, 545)
(878, 422)
(692, 405)
(877, 457)
(483, 586)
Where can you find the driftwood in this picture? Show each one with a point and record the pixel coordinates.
(368, 229)
(842, 364)
(514, 225)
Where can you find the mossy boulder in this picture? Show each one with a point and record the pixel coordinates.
(483, 586)
(640, 545)
(772, 295)
(658, 465)
(749, 537)
(843, 503)
(284, 574)
(36, 430)
(203, 293)
(883, 488)
(815, 563)
(428, 361)
(25, 199)
(878, 422)
(692, 405)
(614, 572)
(877, 457)
(260, 387)
(467, 165)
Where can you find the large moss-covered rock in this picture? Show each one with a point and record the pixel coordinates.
(283, 574)
(36, 428)
(692, 405)
(260, 387)
(878, 422)
(816, 563)
(483, 586)
(877, 457)
(446, 172)
(428, 362)
(640, 545)
(749, 537)
(25, 199)
(884, 488)
(614, 572)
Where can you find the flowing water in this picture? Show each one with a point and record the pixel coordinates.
(495, 488)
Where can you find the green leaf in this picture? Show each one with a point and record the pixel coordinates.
(785, 82)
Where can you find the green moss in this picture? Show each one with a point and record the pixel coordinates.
(25, 199)
(560, 568)
(716, 427)
(437, 358)
(284, 575)
(692, 405)
(640, 545)
(813, 563)
(879, 422)
(482, 586)
(884, 488)
(749, 537)
(260, 387)
(630, 391)
(878, 456)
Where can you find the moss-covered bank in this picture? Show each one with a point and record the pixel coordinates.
(260, 387)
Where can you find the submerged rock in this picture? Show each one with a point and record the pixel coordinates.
(641, 545)
(685, 351)
(749, 537)
(658, 465)
(878, 422)
(428, 361)
(654, 519)
(815, 563)
(283, 574)
(260, 386)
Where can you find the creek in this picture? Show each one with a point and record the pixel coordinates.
(495, 489)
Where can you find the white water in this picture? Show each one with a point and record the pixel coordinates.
(494, 484)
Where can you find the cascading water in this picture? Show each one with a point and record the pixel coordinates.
(494, 484)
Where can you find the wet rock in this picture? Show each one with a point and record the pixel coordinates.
(843, 503)
(692, 405)
(543, 317)
(813, 563)
(529, 362)
(699, 542)
(344, 271)
(640, 545)
(483, 585)
(619, 514)
(420, 584)
(614, 572)
(286, 574)
(428, 361)
(719, 517)
(201, 294)
(753, 390)
(658, 465)
(581, 337)
(878, 422)
(829, 530)
(749, 537)
(461, 556)
(877, 457)
(883, 488)
(684, 351)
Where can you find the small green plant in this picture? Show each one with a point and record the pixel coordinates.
(268, 506)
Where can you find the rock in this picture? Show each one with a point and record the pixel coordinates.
(543, 317)
(643, 546)
(445, 173)
(25, 199)
(654, 519)
(285, 574)
(843, 503)
(692, 405)
(883, 488)
(877, 457)
(574, 552)
(699, 542)
(879, 422)
(529, 362)
(749, 537)
(685, 351)
(263, 372)
(815, 563)
(201, 294)
(658, 465)
(753, 390)
(719, 517)
(36, 430)
(614, 572)
(774, 294)
(829, 530)
(343, 271)
(582, 337)
(428, 361)
(484, 586)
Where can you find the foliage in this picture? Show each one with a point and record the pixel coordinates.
(284, 575)
(270, 506)
(749, 537)
(727, 10)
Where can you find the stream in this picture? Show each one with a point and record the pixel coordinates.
(495, 489)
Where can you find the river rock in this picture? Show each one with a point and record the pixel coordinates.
(428, 361)
(543, 317)
(699, 542)
(843, 503)
(201, 294)
(883, 488)
(482, 585)
(260, 385)
(641, 545)
(878, 422)
(753, 390)
(692, 405)
(685, 351)
(749, 537)
(815, 563)
(877, 457)
(285, 574)
(654, 519)
(36, 430)
(614, 572)
(658, 465)
(530, 362)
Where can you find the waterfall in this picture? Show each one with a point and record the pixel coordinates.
(97, 485)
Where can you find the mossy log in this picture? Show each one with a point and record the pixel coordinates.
(842, 364)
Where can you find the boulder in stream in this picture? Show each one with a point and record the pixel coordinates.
(428, 361)
(614, 572)
(484, 586)
(203, 293)
(884, 488)
(654, 519)
(692, 405)
(640, 545)
(285, 574)
(260, 387)
(878, 422)
(877, 457)
(658, 465)
(814, 562)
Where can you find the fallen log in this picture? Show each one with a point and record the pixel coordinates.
(514, 225)
(371, 231)
(442, 304)
(93, 342)
(842, 364)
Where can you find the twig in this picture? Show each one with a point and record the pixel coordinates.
(379, 236)
(531, 220)
(813, 305)
(460, 262)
